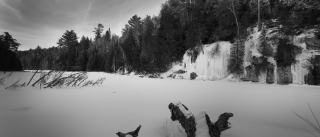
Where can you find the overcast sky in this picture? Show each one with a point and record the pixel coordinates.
(43, 22)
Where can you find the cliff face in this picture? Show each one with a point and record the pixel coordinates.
(210, 62)
(296, 73)
(310, 45)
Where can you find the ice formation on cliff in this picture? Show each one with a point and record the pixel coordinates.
(298, 70)
(208, 61)
(211, 62)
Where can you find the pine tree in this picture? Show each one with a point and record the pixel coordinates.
(235, 61)
(8, 58)
(97, 31)
(68, 42)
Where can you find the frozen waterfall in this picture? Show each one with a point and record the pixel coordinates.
(211, 61)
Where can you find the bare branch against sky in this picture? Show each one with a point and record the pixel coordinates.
(42, 22)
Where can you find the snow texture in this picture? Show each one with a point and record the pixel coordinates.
(186, 112)
(201, 125)
(123, 102)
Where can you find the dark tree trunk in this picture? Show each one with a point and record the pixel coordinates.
(187, 120)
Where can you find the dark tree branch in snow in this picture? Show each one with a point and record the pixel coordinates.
(42, 78)
(189, 122)
(32, 77)
(132, 133)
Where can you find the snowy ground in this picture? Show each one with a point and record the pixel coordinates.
(122, 103)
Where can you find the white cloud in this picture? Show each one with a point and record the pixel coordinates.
(6, 8)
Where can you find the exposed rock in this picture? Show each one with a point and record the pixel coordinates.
(189, 123)
(313, 77)
(284, 75)
(256, 60)
(270, 73)
(312, 43)
(247, 75)
(172, 75)
(193, 76)
(121, 71)
(176, 74)
(180, 72)
(153, 76)
(251, 73)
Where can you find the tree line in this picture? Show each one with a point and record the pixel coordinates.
(151, 44)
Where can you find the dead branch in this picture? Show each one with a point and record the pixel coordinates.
(83, 81)
(32, 77)
(132, 133)
(42, 78)
(187, 120)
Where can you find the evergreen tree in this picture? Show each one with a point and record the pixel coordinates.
(171, 33)
(69, 42)
(82, 58)
(132, 51)
(8, 58)
(235, 62)
(97, 31)
(107, 36)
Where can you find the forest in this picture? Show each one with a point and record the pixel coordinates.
(151, 44)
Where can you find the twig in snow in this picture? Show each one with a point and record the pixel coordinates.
(310, 132)
(14, 85)
(308, 122)
(314, 116)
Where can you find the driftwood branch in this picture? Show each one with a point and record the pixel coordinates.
(42, 78)
(189, 122)
(32, 77)
(132, 133)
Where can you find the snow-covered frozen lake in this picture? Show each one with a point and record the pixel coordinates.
(122, 103)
